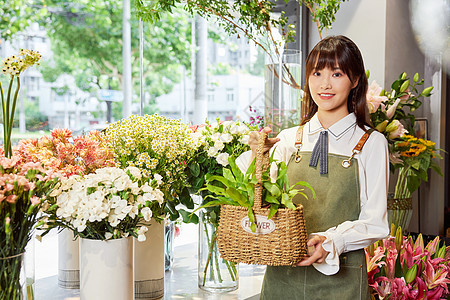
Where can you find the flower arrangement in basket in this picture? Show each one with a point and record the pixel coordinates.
(400, 268)
(255, 212)
(24, 186)
(108, 204)
(411, 156)
(157, 146)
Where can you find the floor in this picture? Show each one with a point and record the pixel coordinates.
(180, 281)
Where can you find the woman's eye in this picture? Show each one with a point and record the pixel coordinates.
(316, 73)
(337, 74)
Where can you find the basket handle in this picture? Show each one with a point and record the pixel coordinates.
(262, 162)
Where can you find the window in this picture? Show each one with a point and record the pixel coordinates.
(230, 95)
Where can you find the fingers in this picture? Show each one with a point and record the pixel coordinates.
(315, 250)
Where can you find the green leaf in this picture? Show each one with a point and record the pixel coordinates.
(272, 188)
(272, 199)
(228, 175)
(234, 168)
(186, 199)
(236, 196)
(273, 210)
(188, 217)
(195, 169)
(307, 185)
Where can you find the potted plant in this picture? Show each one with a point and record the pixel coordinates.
(67, 156)
(105, 209)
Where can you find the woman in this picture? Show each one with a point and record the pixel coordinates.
(346, 162)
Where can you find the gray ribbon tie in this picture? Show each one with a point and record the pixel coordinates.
(320, 150)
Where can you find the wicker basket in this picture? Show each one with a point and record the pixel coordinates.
(279, 241)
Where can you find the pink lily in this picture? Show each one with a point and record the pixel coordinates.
(434, 278)
(384, 287)
(391, 110)
(432, 246)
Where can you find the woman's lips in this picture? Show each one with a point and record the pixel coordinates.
(326, 96)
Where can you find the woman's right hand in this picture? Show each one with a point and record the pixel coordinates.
(254, 138)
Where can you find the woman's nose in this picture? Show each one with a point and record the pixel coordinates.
(325, 83)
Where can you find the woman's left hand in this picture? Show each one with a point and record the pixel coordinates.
(319, 254)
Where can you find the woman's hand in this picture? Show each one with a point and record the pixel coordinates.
(318, 255)
(254, 138)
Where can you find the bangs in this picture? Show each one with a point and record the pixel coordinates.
(326, 57)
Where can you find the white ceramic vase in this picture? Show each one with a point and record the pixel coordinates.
(106, 269)
(68, 261)
(149, 263)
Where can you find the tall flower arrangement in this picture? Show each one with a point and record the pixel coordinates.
(391, 112)
(24, 188)
(400, 268)
(12, 67)
(218, 143)
(157, 146)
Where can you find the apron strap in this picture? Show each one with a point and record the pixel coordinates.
(347, 162)
(298, 143)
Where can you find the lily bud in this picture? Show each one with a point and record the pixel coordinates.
(398, 239)
(391, 110)
(395, 129)
(427, 92)
(382, 126)
(404, 86)
(411, 274)
(416, 77)
(403, 75)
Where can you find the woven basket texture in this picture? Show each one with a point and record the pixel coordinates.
(284, 246)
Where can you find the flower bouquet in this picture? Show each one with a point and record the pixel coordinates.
(217, 143)
(400, 268)
(24, 188)
(157, 146)
(410, 156)
(108, 204)
(68, 155)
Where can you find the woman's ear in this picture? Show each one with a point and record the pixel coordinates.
(355, 83)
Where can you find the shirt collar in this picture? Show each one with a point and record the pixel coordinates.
(338, 129)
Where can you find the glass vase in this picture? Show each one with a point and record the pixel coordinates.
(13, 277)
(400, 212)
(214, 273)
(169, 234)
(283, 93)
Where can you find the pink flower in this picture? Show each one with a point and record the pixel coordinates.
(373, 98)
(391, 110)
(11, 199)
(35, 200)
(395, 129)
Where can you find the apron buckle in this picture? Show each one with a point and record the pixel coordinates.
(298, 156)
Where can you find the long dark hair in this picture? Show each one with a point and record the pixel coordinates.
(332, 52)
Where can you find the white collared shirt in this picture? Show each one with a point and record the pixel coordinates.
(373, 163)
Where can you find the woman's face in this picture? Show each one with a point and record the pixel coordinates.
(329, 89)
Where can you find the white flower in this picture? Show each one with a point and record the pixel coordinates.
(158, 178)
(219, 145)
(244, 139)
(212, 152)
(215, 137)
(141, 233)
(135, 172)
(234, 128)
(222, 159)
(159, 196)
(226, 137)
(147, 213)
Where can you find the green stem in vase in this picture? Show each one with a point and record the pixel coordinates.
(216, 256)
(209, 253)
(231, 269)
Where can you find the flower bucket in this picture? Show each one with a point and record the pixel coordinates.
(400, 212)
(12, 277)
(149, 263)
(68, 261)
(106, 269)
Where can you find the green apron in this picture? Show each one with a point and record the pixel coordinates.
(337, 201)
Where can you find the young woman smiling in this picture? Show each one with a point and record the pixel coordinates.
(346, 162)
